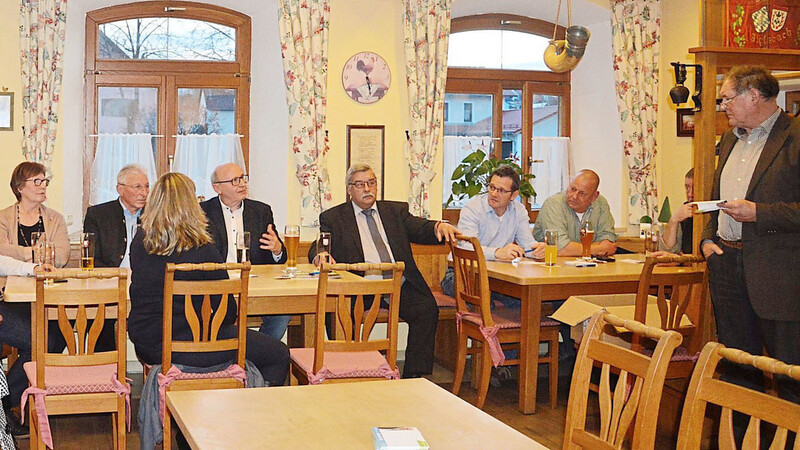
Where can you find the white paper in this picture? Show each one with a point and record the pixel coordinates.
(707, 206)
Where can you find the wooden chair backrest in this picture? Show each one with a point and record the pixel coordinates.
(676, 292)
(354, 322)
(205, 328)
(471, 279)
(635, 399)
(706, 388)
(81, 305)
(431, 260)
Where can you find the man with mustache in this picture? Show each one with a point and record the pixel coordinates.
(366, 230)
(231, 212)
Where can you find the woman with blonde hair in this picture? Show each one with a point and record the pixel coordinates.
(174, 230)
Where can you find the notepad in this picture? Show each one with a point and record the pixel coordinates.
(398, 438)
(707, 206)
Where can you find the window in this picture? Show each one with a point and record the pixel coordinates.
(496, 67)
(166, 69)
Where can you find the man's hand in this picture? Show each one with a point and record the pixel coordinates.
(510, 252)
(683, 213)
(269, 241)
(319, 255)
(708, 248)
(604, 248)
(446, 231)
(538, 251)
(740, 210)
(45, 267)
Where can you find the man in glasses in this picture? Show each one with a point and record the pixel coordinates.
(568, 211)
(367, 230)
(231, 212)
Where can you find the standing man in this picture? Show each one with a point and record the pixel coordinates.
(231, 212)
(752, 244)
(568, 211)
(366, 230)
(677, 236)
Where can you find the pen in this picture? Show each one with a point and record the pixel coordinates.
(529, 250)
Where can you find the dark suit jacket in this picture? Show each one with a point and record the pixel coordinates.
(107, 222)
(771, 244)
(401, 230)
(256, 217)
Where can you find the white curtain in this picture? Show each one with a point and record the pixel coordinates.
(456, 148)
(197, 155)
(552, 173)
(113, 152)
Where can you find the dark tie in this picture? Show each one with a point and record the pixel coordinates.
(376, 236)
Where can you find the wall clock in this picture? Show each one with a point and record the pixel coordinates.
(366, 77)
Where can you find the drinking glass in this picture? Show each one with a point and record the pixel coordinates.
(291, 239)
(323, 248)
(550, 247)
(38, 238)
(87, 251)
(242, 246)
(651, 239)
(587, 237)
(47, 255)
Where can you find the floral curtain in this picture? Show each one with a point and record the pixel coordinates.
(427, 32)
(304, 47)
(635, 28)
(42, 26)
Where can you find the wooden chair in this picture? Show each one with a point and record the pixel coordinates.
(80, 381)
(205, 328)
(706, 388)
(490, 329)
(352, 356)
(634, 401)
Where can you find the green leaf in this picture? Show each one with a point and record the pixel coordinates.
(474, 190)
(458, 173)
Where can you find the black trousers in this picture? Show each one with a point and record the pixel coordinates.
(738, 325)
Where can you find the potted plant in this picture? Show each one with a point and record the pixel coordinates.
(471, 176)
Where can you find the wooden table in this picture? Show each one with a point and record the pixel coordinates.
(535, 283)
(266, 294)
(339, 415)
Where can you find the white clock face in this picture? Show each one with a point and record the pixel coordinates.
(366, 77)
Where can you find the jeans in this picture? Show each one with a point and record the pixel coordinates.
(274, 326)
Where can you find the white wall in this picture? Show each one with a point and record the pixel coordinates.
(268, 114)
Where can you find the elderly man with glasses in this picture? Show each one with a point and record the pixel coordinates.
(231, 212)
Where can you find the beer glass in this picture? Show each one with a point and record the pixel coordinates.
(87, 251)
(291, 239)
(242, 246)
(651, 239)
(550, 247)
(38, 238)
(587, 237)
(46, 254)
(323, 248)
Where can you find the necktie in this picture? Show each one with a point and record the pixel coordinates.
(376, 236)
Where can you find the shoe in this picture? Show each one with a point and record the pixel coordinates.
(499, 375)
(14, 426)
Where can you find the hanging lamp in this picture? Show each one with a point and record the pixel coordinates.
(563, 55)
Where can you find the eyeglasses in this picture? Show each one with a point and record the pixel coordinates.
(238, 181)
(39, 181)
(493, 188)
(727, 101)
(360, 184)
(136, 187)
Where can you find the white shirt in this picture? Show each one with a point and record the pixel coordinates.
(131, 224)
(233, 224)
(14, 267)
(367, 244)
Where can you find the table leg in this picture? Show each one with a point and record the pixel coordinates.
(529, 347)
(307, 323)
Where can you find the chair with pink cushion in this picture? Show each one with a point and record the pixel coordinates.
(352, 355)
(82, 381)
(205, 331)
(475, 320)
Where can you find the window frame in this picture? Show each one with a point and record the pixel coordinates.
(166, 75)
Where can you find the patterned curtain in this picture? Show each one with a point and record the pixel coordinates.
(42, 26)
(304, 47)
(635, 27)
(427, 32)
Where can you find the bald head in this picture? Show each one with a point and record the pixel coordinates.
(582, 190)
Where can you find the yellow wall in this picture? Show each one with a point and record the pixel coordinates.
(356, 26)
(10, 140)
(680, 25)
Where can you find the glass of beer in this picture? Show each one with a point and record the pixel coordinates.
(291, 239)
(38, 238)
(550, 247)
(46, 254)
(87, 251)
(242, 246)
(587, 237)
(323, 248)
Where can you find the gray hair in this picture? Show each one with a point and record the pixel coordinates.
(130, 169)
(354, 169)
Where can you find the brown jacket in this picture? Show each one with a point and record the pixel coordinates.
(771, 244)
(54, 226)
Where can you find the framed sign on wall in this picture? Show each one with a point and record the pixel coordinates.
(6, 111)
(365, 145)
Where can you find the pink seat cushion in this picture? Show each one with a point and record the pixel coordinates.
(509, 318)
(343, 365)
(74, 380)
(681, 354)
(444, 301)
